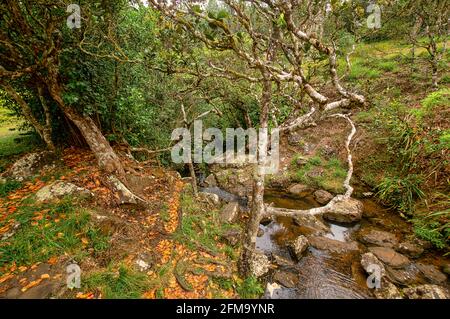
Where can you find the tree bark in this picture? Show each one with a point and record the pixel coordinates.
(106, 157)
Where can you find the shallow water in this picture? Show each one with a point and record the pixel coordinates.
(322, 275)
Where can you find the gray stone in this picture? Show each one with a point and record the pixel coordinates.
(390, 257)
(298, 246)
(210, 198)
(432, 273)
(229, 213)
(331, 245)
(410, 249)
(29, 165)
(59, 190)
(347, 211)
(377, 237)
(259, 264)
(322, 197)
(426, 292)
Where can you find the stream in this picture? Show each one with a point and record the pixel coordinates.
(326, 273)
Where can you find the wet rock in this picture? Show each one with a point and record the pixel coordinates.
(298, 246)
(322, 197)
(432, 273)
(229, 213)
(282, 261)
(210, 181)
(59, 190)
(426, 292)
(299, 189)
(312, 222)
(377, 237)
(260, 232)
(390, 257)
(387, 291)
(266, 220)
(259, 264)
(410, 249)
(331, 245)
(232, 236)
(237, 181)
(286, 279)
(407, 276)
(29, 165)
(347, 211)
(370, 262)
(210, 198)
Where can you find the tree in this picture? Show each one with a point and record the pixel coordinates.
(33, 38)
(271, 42)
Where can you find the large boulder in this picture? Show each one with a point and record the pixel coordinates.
(346, 211)
(298, 246)
(426, 292)
(61, 189)
(229, 213)
(29, 165)
(390, 257)
(237, 181)
(322, 197)
(377, 237)
(331, 245)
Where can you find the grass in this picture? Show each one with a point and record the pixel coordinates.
(47, 231)
(8, 187)
(318, 172)
(250, 288)
(117, 283)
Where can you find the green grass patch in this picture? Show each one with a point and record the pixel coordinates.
(8, 187)
(321, 173)
(120, 283)
(46, 231)
(250, 288)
